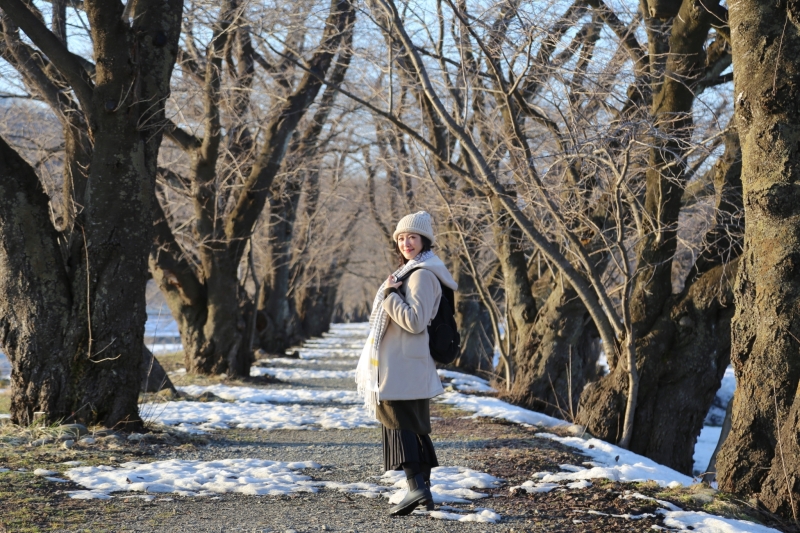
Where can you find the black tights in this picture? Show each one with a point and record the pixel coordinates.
(413, 468)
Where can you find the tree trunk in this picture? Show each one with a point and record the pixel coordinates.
(279, 306)
(683, 345)
(154, 377)
(560, 357)
(73, 315)
(214, 328)
(316, 306)
(685, 355)
(474, 325)
(762, 453)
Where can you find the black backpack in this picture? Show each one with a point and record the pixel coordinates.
(444, 340)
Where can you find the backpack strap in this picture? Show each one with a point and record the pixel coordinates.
(407, 274)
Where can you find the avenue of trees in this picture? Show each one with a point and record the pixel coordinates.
(608, 181)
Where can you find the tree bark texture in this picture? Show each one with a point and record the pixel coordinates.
(681, 362)
(762, 454)
(73, 294)
(474, 324)
(560, 357)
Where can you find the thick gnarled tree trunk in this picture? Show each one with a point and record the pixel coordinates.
(761, 454)
(685, 354)
(73, 297)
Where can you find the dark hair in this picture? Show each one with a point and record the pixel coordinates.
(426, 245)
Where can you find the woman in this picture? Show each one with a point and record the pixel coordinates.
(396, 374)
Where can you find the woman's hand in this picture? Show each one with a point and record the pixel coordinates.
(392, 284)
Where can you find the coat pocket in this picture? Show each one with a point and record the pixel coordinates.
(415, 345)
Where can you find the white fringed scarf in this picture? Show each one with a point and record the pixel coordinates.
(367, 369)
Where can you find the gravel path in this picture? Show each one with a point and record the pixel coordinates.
(345, 455)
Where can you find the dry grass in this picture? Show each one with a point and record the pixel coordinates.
(5, 402)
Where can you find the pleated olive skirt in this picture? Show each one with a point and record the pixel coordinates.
(406, 433)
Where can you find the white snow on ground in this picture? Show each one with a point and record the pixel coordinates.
(259, 477)
(483, 515)
(495, 408)
(466, 382)
(288, 374)
(206, 416)
(677, 518)
(705, 523)
(323, 352)
(704, 448)
(291, 361)
(614, 463)
(195, 478)
(449, 484)
(254, 395)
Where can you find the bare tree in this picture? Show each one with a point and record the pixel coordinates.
(74, 271)
(604, 214)
(232, 174)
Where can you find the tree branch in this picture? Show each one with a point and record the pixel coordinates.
(66, 62)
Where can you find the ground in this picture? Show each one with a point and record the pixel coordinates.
(510, 451)
(28, 503)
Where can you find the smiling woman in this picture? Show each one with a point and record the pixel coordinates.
(396, 373)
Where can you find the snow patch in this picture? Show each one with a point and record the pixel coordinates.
(495, 408)
(716, 414)
(466, 382)
(615, 463)
(701, 522)
(289, 361)
(704, 448)
(289, 374)
(194, 478)
(449, 484)
(487, 516)
(254, 395)
(206, 416)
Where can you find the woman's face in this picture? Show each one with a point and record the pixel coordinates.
(410, 245)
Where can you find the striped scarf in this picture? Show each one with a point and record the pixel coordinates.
(367, 369)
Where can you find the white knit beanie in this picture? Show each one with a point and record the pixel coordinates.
(419, 223)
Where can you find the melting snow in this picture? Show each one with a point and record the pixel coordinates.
(495, 408)
(254, 395)
(290, 361)
(704, 448)
(614, 463)
(449, 484)
(485, 515)
(702, 522)
(289, 374)
(219, 415)
(194, 478)
(466, 382)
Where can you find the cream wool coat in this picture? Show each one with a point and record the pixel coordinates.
(406, 370)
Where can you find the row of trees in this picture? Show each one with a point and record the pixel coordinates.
(584, 165)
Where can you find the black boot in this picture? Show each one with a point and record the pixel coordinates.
(418, 493)
(426, 475)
